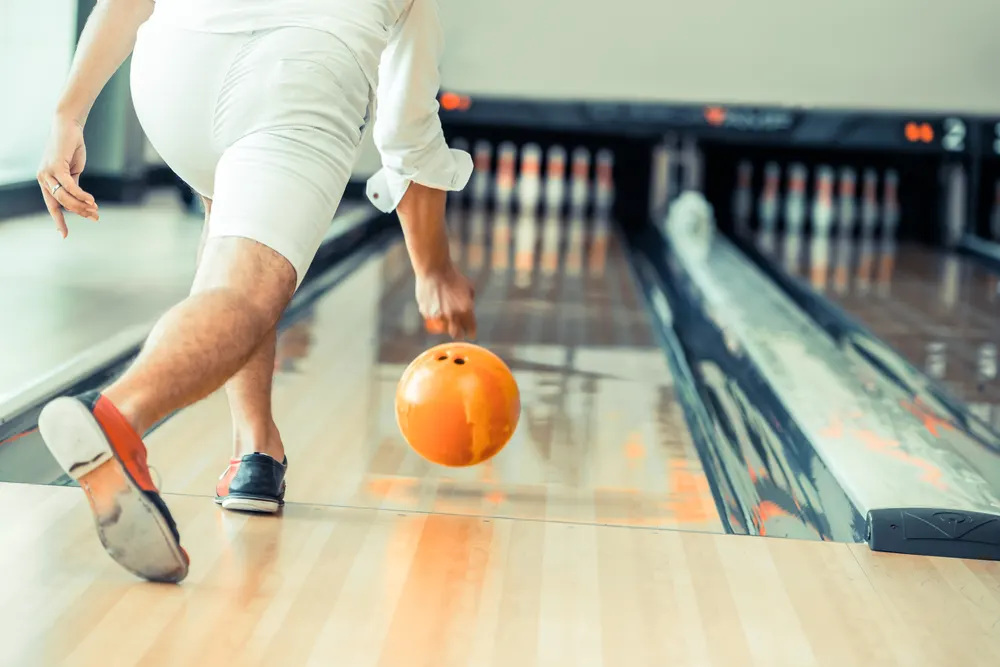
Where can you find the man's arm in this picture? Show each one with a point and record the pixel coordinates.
(418, 167)
(106, 42)
(107, 39)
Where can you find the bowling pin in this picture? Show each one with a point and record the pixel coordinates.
(506, 174)
(555, 179)
(529, 194)
(767, 208)
(890, 204)
(481, 157)
(529, 185)
(869, 201)
(604, 184)
(506, 181)
(795, 200)
(822, 213)
(846, 206)
(579, 189)
(743, 197)
(604, 201)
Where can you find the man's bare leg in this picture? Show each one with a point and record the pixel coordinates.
(249, 392)
(240, 291)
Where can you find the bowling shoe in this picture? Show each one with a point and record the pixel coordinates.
(98, 448)
(253, 483)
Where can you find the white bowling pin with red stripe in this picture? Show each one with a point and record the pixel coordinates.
(869, 201)
(482, 156)
(767, 211)
(822, 213)
(579, 188)
(795, 199)
(846, 205)
(529, 185)
(555, 179)
(506, 174)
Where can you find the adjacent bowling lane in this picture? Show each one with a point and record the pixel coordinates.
(601, 438)
(937, 309)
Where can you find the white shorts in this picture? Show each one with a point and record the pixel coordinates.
(265, 124)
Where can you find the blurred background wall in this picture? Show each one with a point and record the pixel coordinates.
(890, 54)
(36, 46)
(893, 54)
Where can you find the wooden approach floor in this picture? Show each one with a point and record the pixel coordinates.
(323, 585)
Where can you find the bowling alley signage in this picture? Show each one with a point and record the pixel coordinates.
(750, 120)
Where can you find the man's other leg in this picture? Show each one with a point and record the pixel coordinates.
(240, 291)
(249, 392)
(254, 479)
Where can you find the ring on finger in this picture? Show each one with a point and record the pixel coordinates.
(54, 189)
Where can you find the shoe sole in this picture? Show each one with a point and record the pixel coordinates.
(244, 504)
(132, 529)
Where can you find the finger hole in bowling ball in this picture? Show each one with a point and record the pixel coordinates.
(460, 361)
(442, 357)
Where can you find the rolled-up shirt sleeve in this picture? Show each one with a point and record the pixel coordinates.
(407, 129)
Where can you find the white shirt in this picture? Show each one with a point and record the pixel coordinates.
(398, 44)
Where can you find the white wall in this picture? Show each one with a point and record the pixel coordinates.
(37, 38)
(880, 54)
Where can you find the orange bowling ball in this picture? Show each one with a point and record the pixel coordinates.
(457, 404)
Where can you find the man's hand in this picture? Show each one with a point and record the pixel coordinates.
(59, 174)
(445, 297)
(106, 41)
(446, 300)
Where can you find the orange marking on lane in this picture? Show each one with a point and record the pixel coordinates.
(932, 474)
(18, 436)
(931, 421)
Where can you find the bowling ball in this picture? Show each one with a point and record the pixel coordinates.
(457, 404)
